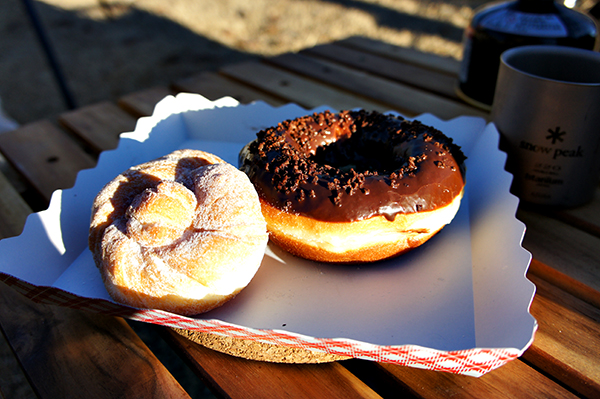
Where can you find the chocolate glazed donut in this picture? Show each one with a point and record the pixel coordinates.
(354, 186)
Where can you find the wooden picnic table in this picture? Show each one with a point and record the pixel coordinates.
(57, 352)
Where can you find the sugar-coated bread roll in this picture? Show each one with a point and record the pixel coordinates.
(183, 233)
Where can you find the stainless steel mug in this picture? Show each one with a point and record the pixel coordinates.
(547, 110)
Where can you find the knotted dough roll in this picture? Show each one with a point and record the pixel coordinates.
(183, 233)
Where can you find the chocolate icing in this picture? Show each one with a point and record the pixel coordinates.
(353, 165)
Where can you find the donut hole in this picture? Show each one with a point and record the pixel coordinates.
(363, 156)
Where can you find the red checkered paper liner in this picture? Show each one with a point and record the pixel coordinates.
(473, 362)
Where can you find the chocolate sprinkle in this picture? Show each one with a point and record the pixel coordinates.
(353, 165)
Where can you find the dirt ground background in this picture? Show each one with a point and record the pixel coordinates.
(108, 48)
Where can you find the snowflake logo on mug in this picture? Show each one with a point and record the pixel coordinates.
(555, 135)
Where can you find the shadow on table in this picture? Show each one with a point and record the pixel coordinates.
(100, 59)
(108, 51)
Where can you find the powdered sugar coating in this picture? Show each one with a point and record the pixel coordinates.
(216, 253)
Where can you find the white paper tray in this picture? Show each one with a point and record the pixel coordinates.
(460, 303)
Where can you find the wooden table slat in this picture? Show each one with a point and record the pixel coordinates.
(567, 343)
(430, 80)
(68, 353)
(397, 96)
(241, 378)
(142, 103)
(513, 380)
(13, 209)
(99, 125)
(214, 86)
(585, 217)
(568, 249)
(45, 156)
(13, 381)
(566, 283)
(302, 91)
(430, 61)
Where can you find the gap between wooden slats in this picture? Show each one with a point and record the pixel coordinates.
(399, 96)
(46, 156)
(269, 380)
